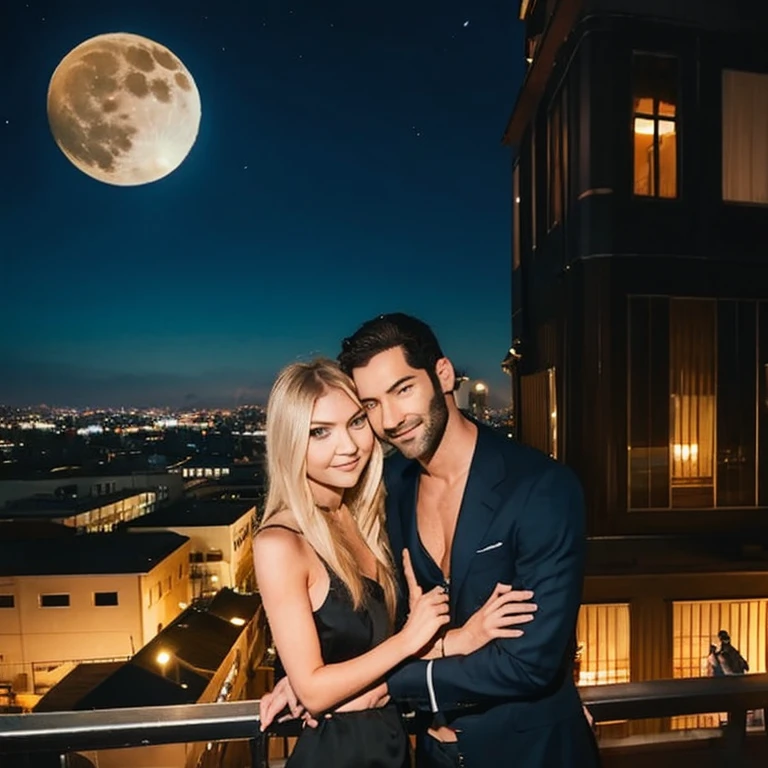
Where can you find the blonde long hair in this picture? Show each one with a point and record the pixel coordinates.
(289, 414)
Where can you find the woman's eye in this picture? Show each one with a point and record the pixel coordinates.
(358, 422)
(318, 432)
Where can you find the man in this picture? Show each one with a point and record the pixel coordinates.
(733, 663)
(474, 510)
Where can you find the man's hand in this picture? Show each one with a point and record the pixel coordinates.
(274, 702)
(372, 699)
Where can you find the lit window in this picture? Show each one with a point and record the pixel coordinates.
(692, 375)
(695, 627)
(745, 137)
(538, 401)
(654, 124)
(602, 636)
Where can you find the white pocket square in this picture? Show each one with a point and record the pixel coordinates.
(489, 547)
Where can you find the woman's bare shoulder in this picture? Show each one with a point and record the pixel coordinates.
(280, 536)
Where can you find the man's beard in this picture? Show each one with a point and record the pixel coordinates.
(435, 423)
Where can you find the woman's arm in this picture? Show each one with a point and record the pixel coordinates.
(283, 579)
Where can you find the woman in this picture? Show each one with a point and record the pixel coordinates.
(326, 574)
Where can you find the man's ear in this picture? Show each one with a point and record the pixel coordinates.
(445, 375)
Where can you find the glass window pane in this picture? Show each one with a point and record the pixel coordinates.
(692, 401)
(762, 411)
(666, 109)
(745, 137)
(602, 637)
(667, 159)
(648, 396)
(655, 84)
(644, 163)
(644, 106)
(695, 627)
(736, 401)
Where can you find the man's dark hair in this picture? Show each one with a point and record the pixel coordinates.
(419, 343)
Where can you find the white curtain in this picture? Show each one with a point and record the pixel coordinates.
(745, 137)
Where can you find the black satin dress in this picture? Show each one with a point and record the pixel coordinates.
(372, 738)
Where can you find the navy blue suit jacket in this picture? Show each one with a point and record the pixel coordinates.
(521, 522)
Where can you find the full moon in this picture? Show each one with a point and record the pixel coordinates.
(123, 109)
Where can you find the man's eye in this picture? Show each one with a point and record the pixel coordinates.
(404, 389)
(318, 432)
(369, 406)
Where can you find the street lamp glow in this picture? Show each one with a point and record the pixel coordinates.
(237, 621)
(163, 658)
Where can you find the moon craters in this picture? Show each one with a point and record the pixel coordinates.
(123, 109)
(165, 59)
(140, 58)
(136, 83)
(161, 90)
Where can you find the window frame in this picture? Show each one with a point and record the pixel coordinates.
(753, 357)
(43, 595)
(657, 118)
(97, 604)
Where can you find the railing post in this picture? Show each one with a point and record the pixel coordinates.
(259, 746)
(735, 740)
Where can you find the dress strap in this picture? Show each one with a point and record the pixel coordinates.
(279, 525)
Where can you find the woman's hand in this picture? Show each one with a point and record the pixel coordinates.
(414, 590)
(504, 609)
(275, 701)
(428, 611)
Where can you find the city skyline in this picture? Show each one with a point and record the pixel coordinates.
(326, 133)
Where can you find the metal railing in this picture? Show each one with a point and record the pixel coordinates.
(39, 740)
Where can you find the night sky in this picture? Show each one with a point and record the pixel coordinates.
(349, 162)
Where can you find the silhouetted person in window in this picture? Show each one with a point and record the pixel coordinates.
(733, 663)
(714, 667)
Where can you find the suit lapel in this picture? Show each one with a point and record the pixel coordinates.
(478, 508)
(400, 511)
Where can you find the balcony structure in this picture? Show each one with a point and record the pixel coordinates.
(52, 739)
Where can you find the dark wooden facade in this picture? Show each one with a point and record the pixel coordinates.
(574, 275)
(599, 274)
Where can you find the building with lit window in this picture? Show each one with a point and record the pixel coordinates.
(209, 653)
(478, 400)
(220, 535)
(92, 514)
(640, 325)
(77, 483)
(82, 598)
